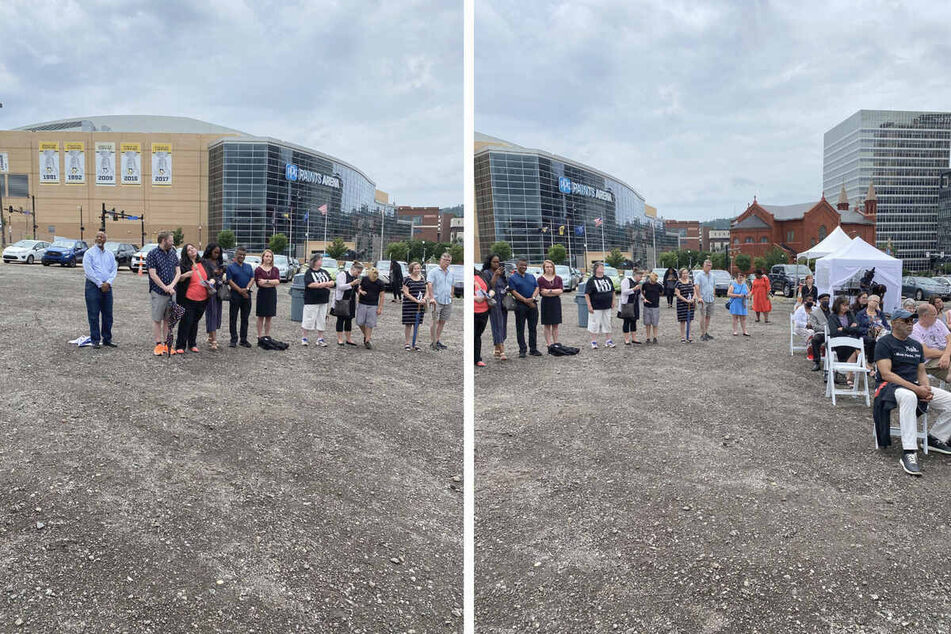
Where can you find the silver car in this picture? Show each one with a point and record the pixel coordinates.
(25, 251)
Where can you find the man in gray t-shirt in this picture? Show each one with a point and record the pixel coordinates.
(705, 289)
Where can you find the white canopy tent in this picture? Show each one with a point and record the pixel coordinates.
(835, 270)
(833, 242)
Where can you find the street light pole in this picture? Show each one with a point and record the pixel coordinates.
(33, 198)
(81, 227)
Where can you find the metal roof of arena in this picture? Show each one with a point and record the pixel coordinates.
(131, 123)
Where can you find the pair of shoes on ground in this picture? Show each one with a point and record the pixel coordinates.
(706, 337)
(607, 344)
(438, 345)
(234, 344)
(408, 347)
(534, 353)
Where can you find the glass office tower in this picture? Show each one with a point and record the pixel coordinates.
(260, 186)
(903, 153)
(944, 215)
(532, 199)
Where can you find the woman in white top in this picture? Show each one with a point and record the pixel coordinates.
(347, 281)
(631, 294)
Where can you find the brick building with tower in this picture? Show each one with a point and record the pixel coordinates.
(797, 228)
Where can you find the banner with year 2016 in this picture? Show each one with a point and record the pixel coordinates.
(131, 154)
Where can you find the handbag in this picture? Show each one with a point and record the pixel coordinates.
(508, 302)
(342, 309)
(628, 310)
(224, 291)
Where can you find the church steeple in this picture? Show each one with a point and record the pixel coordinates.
(871, 203)
(843, 204)
(871, 192)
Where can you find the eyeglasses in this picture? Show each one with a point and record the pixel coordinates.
(907, 320)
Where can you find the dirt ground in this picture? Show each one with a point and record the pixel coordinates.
(696, 488)
(311, 490)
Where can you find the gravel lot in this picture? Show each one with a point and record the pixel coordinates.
(697, 488)
(312, 490)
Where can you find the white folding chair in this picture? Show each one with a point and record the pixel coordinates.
(793, 346)
(896, 431)
(857, 367)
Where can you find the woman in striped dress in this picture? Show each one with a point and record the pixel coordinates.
(683, 291)
(414, 303)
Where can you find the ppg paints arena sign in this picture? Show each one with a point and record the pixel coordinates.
(565, 186)
(294, 173)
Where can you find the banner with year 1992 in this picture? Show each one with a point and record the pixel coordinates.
(75, 164)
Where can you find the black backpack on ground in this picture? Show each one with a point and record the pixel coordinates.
(271, 344)
(559, 350)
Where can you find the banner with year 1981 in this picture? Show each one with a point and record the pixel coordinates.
(49, 163)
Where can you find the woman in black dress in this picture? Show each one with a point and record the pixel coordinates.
(267, 278)
(414, 302)
(685, 303)
(396, 280)
(670, 283)
(550, 287)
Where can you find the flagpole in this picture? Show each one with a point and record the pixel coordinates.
(602, 239)
(326, 214)
(568, 223)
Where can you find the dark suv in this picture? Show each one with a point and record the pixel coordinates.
(122, 251)
(786, 278)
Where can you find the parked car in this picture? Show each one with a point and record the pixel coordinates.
(122, 251)
(253, 260)
(458, 279)
(722, 280)
(65, 252)
(568, 280)
(786, 278)
(615, 275)
(921, 288)
(284, 267)
(330, 265)
(25, 251)
(139, 256)
(945, 286)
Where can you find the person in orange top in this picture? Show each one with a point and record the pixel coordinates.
(481, 301)
(761, 303)
(194, 301)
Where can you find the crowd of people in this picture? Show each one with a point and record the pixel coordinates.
(539, 299)
(904, 353)
(183, 290)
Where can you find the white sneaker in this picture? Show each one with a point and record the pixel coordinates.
(321, 343)
(304, 342)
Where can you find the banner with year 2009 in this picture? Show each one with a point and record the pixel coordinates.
(75, 165)
(131, 154)
(162, 164)
(105, 163)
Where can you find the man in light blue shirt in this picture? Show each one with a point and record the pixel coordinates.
(705, 287)
(100, 267)
(440, 284)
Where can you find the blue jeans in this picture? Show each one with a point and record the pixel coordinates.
(98, 303)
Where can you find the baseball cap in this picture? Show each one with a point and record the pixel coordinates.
(901, 313)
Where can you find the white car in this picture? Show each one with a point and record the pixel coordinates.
(25, 251)
(284, 268)
(140, 255)
(253, 260)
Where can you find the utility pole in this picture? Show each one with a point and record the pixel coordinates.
(33, 198)
(3, 223)
(81, 227)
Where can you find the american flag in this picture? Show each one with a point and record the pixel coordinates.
(323, 209)
(597, 222)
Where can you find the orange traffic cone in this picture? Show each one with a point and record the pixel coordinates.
(140, 268)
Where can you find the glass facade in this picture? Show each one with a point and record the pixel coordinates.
(532, 200)
(253, 192)
(944, 215)
(904, 154)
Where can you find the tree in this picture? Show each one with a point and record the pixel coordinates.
(178, 236)
(397, 251)
(226, 239)
(277, 243)
(457, 252)
(720, 260)
(669, 259)
(336, 249)
(557, 253)
(776, 256)
(615, 258)
(502, 249)
(743, 262)
(759, 264)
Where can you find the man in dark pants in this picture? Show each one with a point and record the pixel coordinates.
(100, 268)
(240, 279)
(818, 320)
(524, 288)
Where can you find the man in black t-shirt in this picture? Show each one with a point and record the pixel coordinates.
(317, 285)
(901, 363)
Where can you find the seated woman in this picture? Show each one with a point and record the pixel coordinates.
(873, 325)
(842, 323)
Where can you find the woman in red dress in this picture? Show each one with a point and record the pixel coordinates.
(761, 303)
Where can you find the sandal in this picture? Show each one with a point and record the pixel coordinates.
(502, 356)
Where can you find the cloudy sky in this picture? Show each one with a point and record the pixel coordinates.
(377, 84)
(701, 105)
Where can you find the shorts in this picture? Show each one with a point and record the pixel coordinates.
(651, 316)
(443, 311)
(160, 304)
(366, 315)
(315, 317)
(600, 321)
(706, 309)
(933, 369)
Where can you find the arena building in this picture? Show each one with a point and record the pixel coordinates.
(170, 172)
(533, 199)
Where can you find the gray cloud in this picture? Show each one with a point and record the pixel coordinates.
(702, 105)
(377, 84)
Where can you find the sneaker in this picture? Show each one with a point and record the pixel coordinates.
(159, 350)
(594, 345)
(321, 343)
(440, 346)
(936, 445)
(368, 345)
(304, 342)
(709, 337)
(535, 353)
(245, 344)
(110, 344)
(909, 462)
(521, 355)
(232, 344)
(432, 346)
(96, 345)
(654, 340)
(610, 344)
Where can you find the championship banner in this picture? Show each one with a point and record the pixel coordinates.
(162, 164)
(4, 162)
(105, 163)
(131, 163)
(49, 163)
(75, 163)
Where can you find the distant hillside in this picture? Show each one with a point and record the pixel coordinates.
(455, 211)
(718, 223)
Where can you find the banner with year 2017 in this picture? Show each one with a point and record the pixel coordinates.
(131, 154)
(105, 163)
(162, 164)
(49, 163)
(75, 163)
